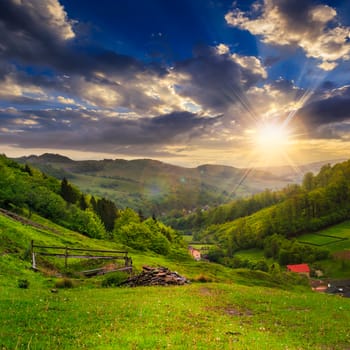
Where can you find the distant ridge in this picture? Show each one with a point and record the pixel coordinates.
(156, 187)
(47, 157)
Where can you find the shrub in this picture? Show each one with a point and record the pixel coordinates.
(23, 283)
(114, 279)
(202, 278)
(64, 283)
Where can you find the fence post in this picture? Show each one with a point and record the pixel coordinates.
(65, 258)
(33, 255)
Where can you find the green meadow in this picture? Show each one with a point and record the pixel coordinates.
(335, 238)
(196, 316)
(234, 309)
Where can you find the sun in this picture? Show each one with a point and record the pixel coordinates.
(271, 137)
(272, 142)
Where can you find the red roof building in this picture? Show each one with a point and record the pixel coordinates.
(299, 268)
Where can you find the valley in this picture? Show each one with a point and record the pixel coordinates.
(240, 294)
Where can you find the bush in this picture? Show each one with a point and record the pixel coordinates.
(64, 283)
(202, 278)
(114, 279)
(24, 284)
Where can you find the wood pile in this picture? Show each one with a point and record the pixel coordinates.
(155, 276)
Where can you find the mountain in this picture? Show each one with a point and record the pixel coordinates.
(295, 173)
(286, 225)
(156, 187)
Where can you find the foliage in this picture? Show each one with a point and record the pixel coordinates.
(46, 196)
(107, 211)
(322, 200)
(64, 283)
(154, 187)
(114, 279)
(240, 310)
(23, 283)
(68, 192)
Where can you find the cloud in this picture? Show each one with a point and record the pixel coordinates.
(216, 79)
(105, 133)
(31, 30)
(333, 109)
(36, 18)
(313, 28)
(65, 100)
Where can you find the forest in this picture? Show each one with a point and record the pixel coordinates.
(272, 220)
(24, 189)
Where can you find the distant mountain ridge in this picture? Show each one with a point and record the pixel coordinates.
(156, 187)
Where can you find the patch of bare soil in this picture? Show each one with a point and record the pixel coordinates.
(231, 310)
(344, 255)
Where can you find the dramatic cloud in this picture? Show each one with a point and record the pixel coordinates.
(33, 29)
(98, 132)
(297, 23)
(60, 90)
(216, 79)
(329, 116)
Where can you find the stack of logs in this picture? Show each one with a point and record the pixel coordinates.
(153, 276)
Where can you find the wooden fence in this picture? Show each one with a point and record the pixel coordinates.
(82, 253)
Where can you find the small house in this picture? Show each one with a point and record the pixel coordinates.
(196, 254)
(302, 269)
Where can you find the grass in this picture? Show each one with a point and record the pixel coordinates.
(198, 316)
(251, 254)
(237, 310)
(318, 239)
(335, 238)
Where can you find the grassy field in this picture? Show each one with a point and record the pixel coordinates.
(238, 309)
(197, 316)
(251, 254)
(318, 239)
(335, 238)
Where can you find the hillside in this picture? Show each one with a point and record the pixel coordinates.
(236, 311)
(275, 222)
(235, 308)
(155, 187)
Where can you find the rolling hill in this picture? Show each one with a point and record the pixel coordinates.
(156, 187)
(238, 309)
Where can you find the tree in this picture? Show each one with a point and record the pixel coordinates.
(87, 222)
(107, 211)
(308, 181)
(68, 193)
(93, 204)
(82, 202)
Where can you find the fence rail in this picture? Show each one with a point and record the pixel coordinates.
(37, 249)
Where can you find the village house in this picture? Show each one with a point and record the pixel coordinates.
(196, 254)
(302, 269)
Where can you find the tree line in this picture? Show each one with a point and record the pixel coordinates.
(275, 219)
(25, 189)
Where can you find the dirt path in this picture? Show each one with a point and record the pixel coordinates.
(26, 221)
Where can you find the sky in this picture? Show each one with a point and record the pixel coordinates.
(188, 82)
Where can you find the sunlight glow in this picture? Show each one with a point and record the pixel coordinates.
(271, 138)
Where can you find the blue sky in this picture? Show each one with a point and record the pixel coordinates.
(244, 83)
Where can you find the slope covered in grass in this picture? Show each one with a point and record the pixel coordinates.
(237, 310)
(197, 316)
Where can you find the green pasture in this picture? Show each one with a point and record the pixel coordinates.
(330, 238)
(340, 230)
(236, 309)
(318, 239)
(251, 254)
(196, 316)
(187, 238)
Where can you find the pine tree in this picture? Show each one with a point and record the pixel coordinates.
(82, 202)
(107, 211)
(67, 192)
